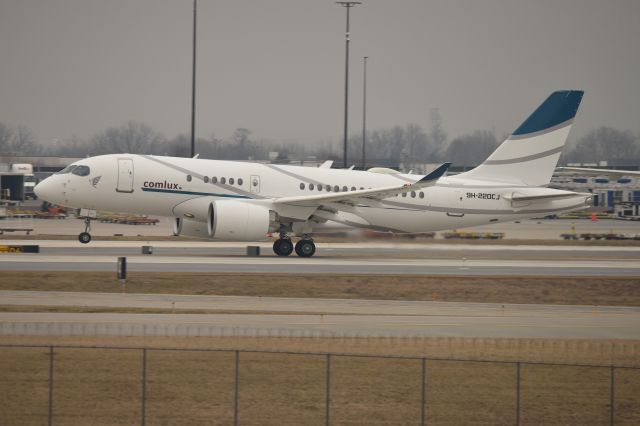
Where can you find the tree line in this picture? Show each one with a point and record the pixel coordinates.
(408, 145)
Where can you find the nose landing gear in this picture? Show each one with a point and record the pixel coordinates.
(85, 237)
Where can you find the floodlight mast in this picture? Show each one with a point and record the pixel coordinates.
(347, 5)
(193, 84)
(364, 111)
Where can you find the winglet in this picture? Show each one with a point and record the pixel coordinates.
(436, 174)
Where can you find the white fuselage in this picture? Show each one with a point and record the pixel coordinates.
(154, 185)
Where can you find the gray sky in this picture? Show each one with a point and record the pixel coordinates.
(277, 66)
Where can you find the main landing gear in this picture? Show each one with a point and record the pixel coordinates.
(304, 248)
(85, 237)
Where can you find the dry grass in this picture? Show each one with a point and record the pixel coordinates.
(547, 290)
(104, 386)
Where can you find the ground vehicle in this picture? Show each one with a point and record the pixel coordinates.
(29, 179)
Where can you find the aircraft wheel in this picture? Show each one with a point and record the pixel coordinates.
(84, 237)
(283, 247)
(305, 248)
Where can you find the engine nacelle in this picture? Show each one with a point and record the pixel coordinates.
(241, 221)
(227, 220)
(191, 228)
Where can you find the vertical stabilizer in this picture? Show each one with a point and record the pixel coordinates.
(530, 155)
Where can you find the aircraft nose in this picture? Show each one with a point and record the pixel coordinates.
(43, 189)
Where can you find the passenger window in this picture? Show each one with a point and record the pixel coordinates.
(336, 188)
(223, 180)
(189, 178)
(422, 195)
(240, 181)
(413, 194)
(361, 188)
(345, 189)
(231, 181)
(302, 186)
(205, 179)
(319, 187)
(311, 186)
(404, 194)
(81, 171)
(328, 187)
(214, 179)
(353, 188)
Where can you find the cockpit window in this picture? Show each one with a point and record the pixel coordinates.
(67, 169)
(81, 171)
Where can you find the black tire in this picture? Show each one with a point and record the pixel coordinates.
(283, 247)
(305, 248)
(84, 237)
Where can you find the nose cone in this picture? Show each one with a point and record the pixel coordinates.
(44, 189)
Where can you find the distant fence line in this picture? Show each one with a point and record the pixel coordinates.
(328, 360)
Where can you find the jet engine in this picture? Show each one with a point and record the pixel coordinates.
(227, 220)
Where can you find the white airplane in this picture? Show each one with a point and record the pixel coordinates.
(241, 201)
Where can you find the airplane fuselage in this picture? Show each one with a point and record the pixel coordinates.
(154, 185)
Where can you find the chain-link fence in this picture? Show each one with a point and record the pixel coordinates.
(80, 385)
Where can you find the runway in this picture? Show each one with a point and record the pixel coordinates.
(354, 258)
(314, 318)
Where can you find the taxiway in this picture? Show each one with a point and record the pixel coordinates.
(295, 317)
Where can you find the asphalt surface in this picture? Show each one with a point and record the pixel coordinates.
(354, 258)
(315, 318)
(525, 229)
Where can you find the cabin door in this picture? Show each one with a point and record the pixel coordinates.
(125, 175)
(255, 184)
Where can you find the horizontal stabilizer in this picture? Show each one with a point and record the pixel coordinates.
(599, 172)
(543, 197)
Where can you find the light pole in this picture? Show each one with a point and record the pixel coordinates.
(193, 83)
(347, 5)
(364, 110)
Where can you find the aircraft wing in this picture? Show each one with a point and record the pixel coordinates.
(599, 172)
(359, 196)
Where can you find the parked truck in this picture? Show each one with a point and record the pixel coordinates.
(29, 179)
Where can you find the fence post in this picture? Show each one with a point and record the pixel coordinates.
(423, 397)
(518, 393)
(327, 401)
(236, 390)
(50, 415)
(612, 394)
(144, 385)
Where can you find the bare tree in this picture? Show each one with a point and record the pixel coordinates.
(605, 143)
(6, 135)
(23, 142)
(437, 135)
(132, 138)
(471, 149)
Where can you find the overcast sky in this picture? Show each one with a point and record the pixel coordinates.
(277, 67)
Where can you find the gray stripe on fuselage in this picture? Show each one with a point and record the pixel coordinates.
(405, 179)
(293, 175)
(525, 158)
(201, 177)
